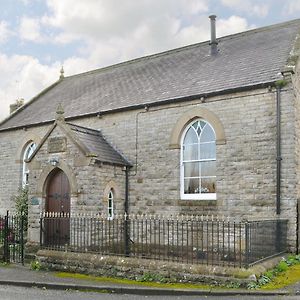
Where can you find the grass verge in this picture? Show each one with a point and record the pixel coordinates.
(134, 282)
(290, 276)
(287, 272)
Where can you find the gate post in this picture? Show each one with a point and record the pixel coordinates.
(126, 235)
(22, 237)
(6, 257)
(247, 245)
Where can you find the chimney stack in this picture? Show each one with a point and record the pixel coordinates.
(213, 40)
(13, 107)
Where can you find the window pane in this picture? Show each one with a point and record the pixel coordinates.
(190, 137)
(208, 151)
(29, 150)
(191, 169)
(208, 185)
(199, 159)
(207, 135)
(191, 186)
(208, 168)
(190, 152)
(202, 124)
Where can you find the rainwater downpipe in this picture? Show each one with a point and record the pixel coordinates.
(126, 211)
(126, 202)
(278, 149)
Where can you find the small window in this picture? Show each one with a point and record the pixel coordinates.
(110, 205)
(198, 162)
(26, 155)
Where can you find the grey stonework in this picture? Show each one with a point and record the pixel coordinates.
(87, 190)
(133, 268)
(246, 163)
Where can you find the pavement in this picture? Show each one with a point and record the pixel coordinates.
(17, 275)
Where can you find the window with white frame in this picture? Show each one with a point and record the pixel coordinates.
(110, 205)
(26, 155)
(198, 162)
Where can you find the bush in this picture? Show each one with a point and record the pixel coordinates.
(21, 203)
(35, 265)
(151, 277)
(282, 266)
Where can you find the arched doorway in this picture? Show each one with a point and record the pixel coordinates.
(57, 226)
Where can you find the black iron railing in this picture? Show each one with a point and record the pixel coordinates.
(186, 239)
(12, 237)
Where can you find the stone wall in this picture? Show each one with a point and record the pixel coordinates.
(133, 268)
(88, 181)
(246, 163)
(296, 84)
(12, 144)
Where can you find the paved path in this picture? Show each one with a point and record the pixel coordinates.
(21, 293)
(24, 277)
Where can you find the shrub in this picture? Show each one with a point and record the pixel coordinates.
(282, 266)
(151, 277)
(35, 265)
(21, 203)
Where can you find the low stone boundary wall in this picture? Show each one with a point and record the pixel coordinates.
(132, 268)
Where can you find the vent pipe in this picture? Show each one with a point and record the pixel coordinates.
(213, 40)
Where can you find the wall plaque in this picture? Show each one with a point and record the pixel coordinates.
(34, 201)
(57, 144)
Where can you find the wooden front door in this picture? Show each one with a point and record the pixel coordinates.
(57, 225)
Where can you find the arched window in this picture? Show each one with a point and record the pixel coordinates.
(110, 205)
(26, 154)
(198, 162)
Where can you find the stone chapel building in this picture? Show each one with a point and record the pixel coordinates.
(211, 128)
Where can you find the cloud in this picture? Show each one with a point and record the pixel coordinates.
(23, 77)
(292, 7)
(103, 19)
(5, 32)
(233, 24)
(110, 32)
(104, 32)
(30, 29)
(250, 7)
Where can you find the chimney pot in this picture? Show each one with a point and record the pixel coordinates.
(213, 40)
(13, 107)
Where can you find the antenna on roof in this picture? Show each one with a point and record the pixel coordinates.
(62, 73)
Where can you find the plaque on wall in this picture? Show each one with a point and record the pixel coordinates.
(57, 144)
(34, 201)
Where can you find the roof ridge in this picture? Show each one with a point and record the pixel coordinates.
(182, 48)
(261, 29)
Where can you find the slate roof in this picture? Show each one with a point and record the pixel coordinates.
(97, 145)
(244, 60)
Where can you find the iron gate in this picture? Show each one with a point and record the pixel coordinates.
(12, 233)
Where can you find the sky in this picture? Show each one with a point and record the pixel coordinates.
(38, 37)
